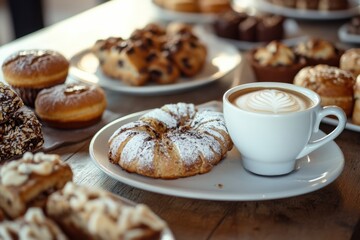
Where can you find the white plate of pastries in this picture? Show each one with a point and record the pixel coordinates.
(167, 59)
(312, 10)
(227, 180)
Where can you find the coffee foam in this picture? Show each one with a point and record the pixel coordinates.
(270, 101)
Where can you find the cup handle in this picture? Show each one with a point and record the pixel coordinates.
(325, 111)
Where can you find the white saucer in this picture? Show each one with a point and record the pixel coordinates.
(222, 58)
(228, 180)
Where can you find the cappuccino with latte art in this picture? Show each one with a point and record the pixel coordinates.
(271, 101)
(273, 124)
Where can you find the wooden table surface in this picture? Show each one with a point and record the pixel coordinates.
(329, 213)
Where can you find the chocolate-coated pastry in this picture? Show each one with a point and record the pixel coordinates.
(10, 102)
(19, 134)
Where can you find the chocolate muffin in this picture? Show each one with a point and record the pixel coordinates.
(319, 51)
(275, 62)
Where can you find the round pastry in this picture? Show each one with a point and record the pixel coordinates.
(214, 6)
(356, 111)
(70, 106)
(335, 86)
(350, 61)
(275, 62)
(182, 5)
(319, 51)
(10, 102)
(30, 71)
(19, 134)
(174, 141)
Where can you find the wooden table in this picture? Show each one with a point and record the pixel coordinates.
(330, 213)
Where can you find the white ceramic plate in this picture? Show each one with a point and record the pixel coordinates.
(222, 58)
(228, 180)
(293, 36)
(309, 14)
(347, 37)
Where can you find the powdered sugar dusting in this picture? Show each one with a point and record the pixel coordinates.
(198, 137)
(130, 151)
(161, 116)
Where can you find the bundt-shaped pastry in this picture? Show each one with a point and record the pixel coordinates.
(174, 141)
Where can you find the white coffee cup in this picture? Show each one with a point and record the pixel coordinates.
(271, 124)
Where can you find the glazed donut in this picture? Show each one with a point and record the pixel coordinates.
(30, 71)
(356, 111)
(19, 134)
(335, 86)
(70, 106)
(10, 102)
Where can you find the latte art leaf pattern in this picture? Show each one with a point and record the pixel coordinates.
(270, 101)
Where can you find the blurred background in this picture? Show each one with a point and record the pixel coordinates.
(53, 11)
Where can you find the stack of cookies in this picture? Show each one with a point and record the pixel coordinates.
(20, 130)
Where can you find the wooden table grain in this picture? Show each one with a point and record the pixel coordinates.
(329, 213)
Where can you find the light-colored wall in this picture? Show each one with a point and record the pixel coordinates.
(54, 11)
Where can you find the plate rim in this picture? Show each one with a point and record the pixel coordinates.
(309, 14)
(211, 41)
(344, 36)
(205, 196)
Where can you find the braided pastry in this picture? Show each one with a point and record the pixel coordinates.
(174, 141)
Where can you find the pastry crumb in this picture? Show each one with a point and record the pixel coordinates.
(219, 185)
